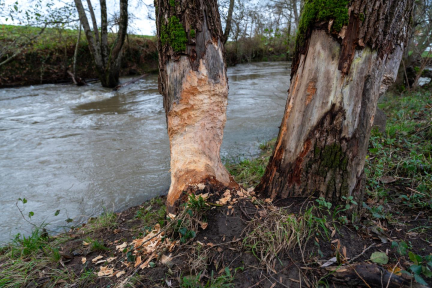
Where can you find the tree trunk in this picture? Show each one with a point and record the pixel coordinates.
(344, 59)
(194, 84)
(228, 21)
(76, 52)
(107, 61)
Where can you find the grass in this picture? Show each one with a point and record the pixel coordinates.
(277, 233)
(222, 281)
(108, 220)
(52, 38)
(248, 172)
(27, 259)
(403, 156)
(152, 213)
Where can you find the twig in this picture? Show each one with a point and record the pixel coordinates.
(364, 251)
(388, 283)
(362, 278)
(22, 214)
(406, 75)
(415, 191)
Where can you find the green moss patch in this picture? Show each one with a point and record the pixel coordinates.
(323, 10)
(174, 34)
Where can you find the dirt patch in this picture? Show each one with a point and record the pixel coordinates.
(219, 254)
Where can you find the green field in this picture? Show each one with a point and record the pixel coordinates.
(52, 38)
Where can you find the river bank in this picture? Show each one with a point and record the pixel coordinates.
(49, 59)
(245, 241)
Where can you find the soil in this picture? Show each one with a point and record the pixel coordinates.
(220, 246)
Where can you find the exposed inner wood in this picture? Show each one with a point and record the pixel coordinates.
(195, 89)
(322, 144)
(195, 129)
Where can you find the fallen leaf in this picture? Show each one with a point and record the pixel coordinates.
(220, 250)
(97, 259)
(106, 271)
(240, 193)
(83, 260)
(121, 247)
(333, 233)
(119, 274)
(387, 179)
(268, 200)
(329, 262)
(379, 258)
(397, 271)
(85, 243)
(172, 216)
(100, 262)
(204, 225)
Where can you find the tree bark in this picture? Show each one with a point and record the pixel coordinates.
(336, 80)
(194, 84)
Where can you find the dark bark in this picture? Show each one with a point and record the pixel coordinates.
(107, 60)
(335, 84)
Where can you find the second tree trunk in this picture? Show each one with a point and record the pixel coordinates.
(345, 57)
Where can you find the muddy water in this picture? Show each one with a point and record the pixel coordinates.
(80, 149)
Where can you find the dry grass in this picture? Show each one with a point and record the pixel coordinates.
(278, 233)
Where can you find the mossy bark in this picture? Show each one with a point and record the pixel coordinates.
(338, 74)
(194, 84)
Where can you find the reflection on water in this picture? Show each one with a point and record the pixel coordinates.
(79, 149)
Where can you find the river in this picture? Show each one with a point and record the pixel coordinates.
(80, 149)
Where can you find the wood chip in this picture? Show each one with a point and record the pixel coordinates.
(121, 247)
(83, 260)
(138, 261)
(106, 272)
(97, 259)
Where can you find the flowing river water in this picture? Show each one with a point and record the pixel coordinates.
(79, 149)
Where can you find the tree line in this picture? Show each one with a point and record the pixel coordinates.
(253, 31)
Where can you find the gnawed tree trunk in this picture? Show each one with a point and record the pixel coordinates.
(345, 56)
(194, 84)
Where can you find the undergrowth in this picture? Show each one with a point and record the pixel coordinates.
(399, 164)
(249, 171)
